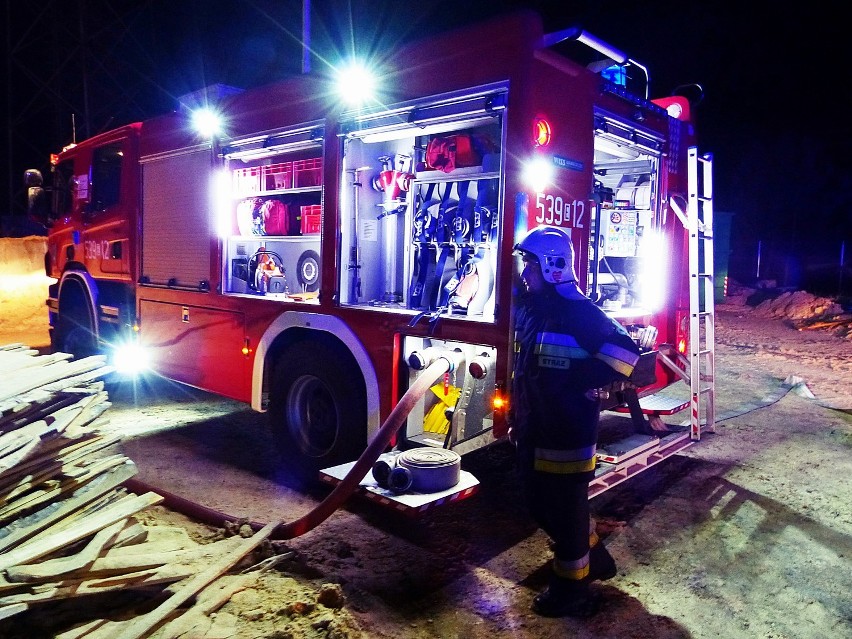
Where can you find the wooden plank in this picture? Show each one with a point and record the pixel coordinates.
(36, 411)
(100, 503)
(12, 609)
(174, 537)
(82, 378)
(37, 522)
(13, 441)
(65, 450)
(28, 482)
(24, 452)
(78, 380)
(56, 489)
(14, 362)
(74, 588)
(107, 498)
(88, 410)
(84, 630)
(140, 626)
(134, 533)
(55, 407)
(16, 346)
(40, 396)
(150, 556)
(27, 552)
(54, 377)
(63, 565)
(210, 600)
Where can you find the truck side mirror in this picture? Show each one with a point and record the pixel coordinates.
(38, 208)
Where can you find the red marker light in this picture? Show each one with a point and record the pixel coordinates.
(542, 132)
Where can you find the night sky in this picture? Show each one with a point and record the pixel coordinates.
(775, 109)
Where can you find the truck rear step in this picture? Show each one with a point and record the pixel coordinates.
(633, 455)
(667, 401)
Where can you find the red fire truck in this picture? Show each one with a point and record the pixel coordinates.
(311, 256)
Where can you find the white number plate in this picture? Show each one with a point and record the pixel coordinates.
(553, 210)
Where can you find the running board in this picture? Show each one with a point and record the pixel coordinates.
(628, 447)
(663, 402)
(409, 503)
(632, 461)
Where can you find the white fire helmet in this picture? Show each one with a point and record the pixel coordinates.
(552, 247)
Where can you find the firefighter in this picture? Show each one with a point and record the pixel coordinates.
(565, 349)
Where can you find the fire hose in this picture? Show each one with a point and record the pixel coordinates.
(337, 497)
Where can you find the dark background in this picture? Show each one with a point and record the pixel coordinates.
(775, 110)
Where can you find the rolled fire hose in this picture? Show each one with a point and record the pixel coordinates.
(336, 498)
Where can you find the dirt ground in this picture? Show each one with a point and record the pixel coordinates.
(748, 533)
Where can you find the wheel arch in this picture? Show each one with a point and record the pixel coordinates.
(296, 326)
(77, 286)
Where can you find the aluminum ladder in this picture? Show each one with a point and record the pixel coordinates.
(699, 367)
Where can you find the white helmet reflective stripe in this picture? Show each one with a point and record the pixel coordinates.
(553, 249)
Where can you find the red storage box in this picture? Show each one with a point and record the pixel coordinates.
(247, 180)
(276, 218)
(311, 219)
(307, 173)
(278, 176)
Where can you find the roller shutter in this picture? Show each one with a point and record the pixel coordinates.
(177, 220)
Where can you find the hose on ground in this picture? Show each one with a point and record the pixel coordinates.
(337, 497)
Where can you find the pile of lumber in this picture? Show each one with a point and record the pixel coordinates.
(840, 325)
(68, 528)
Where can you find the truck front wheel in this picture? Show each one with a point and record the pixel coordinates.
(74, 331)
(318, 408)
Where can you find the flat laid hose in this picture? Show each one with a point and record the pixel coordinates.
(336, 498)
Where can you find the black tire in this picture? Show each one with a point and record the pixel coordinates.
(74, 331)
(318, 408)
(308, 271)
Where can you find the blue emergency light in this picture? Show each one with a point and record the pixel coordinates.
(616, 74)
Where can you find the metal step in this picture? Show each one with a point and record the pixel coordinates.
(660, 403)
(608, 475)
(628, 447)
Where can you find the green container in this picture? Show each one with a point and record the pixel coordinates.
(721, 252)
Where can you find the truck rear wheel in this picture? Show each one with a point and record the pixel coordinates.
(318, 408)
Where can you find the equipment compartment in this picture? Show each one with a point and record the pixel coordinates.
(272, 241)
(420, 208)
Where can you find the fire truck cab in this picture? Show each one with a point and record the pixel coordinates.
(311, 256)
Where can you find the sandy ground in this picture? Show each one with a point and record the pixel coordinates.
(746, 534)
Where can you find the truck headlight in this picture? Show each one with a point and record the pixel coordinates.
(130, 359)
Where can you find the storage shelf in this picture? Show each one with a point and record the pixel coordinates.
(304, 189)
(459, 175)
(274, 238)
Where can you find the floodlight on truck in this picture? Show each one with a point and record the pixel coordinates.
(538, 174)
(356, 84)
(207, 122)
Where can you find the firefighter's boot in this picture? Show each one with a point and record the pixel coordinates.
(601, 564)
(565, 598)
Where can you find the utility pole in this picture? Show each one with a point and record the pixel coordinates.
(306, 36)
(9, 136)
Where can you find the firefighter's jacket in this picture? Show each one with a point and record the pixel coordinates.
(564, 350)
